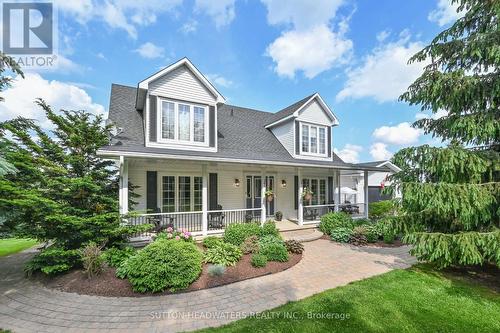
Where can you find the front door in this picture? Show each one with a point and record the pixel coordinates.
(253, 192)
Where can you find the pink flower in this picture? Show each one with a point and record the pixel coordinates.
(177, 237)
(169, 229)
(185, 236)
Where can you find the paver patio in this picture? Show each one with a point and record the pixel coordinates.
(26, 306)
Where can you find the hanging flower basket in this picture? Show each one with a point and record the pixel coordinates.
(269, 195)
(307, 194)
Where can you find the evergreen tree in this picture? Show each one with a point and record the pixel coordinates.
(450, 200)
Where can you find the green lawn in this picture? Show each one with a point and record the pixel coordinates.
(13, 245)
(413, 300)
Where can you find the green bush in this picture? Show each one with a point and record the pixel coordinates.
(92, 259)
(341, 234)
(53, 260)
(358, 236)
(379, 209)
(294, 246)
(334, 220)
(270, 239)
(274, 252)
(269, 228)
(237, 233)
(223, 254)
(372, 234)
(250, 245)
(114, 256)
(163, 264)
(361, 222)
(389, 237)
(216, 270)
(259, 260)
(211, 241)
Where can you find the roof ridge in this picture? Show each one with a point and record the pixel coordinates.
(122, 85)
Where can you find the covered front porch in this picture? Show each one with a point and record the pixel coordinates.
(205, 197)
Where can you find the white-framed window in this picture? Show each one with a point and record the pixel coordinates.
(181, 193)
(182, 122)
(313, 140)
(319, 188)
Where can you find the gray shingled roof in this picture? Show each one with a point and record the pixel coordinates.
(374, 164)
(289, 110)
(241, 134)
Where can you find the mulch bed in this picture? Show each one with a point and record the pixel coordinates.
(107, 284)
(487, 275)
(397, 243)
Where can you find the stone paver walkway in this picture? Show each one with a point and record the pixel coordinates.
(26, 306)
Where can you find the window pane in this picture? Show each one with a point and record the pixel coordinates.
(184, 116)
(184, 194)
(314, 139)
(314, 189)
(305, 138)
(322, 192)
(168, 188)
(199, 124)
(167, 120)
(197, 195)
(322, 140)
(249, 187)
(257, 189)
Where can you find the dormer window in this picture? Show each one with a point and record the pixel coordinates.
(182, 122)
(313, 139)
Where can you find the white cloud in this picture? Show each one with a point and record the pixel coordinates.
(382, 35)
(221, 11)
(101, 55)
(440, 113)
(312, 51)
(302, 14)
(150, 51)
(385, 73)
(219, 80)
(379, 151)
(189, 27)
(20, 97)
(400, 134)
(446, 12)
(350, 153)
(118, 14)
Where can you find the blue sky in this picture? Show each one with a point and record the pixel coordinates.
(260, 54)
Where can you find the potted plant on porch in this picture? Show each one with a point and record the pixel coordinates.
(269, 195)
(307, 194)
(278, 216)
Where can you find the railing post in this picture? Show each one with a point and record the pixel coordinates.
(337, 184)
(123, 186)
(300, 211)
(263, 199)
(365, 177)
(204, 200)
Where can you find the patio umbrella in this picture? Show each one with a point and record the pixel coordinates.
(346, 190)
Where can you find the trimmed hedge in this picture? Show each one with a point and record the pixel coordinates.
(237, 233)
(334, 220)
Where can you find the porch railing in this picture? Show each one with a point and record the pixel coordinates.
(191, 221)
(220, 219)
(313, 213)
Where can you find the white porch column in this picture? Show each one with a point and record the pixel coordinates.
(204, 200)
(123, 182)
(337, 185)
(300, 210)
(263, 199)
(365, 177)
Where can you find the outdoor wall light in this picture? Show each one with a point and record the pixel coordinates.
(237, 182)
(283, 183)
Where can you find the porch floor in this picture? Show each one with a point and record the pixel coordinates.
(289, 225)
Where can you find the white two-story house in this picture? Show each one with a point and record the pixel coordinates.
(201, 164)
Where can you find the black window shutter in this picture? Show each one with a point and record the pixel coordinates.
(329, 143)
(296, 191)
(212, 191)
(211, 123)
(297, 139)
(152, 118)
(151, 191)
(330, 190)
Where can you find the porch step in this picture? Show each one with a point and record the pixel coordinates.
(304, 235)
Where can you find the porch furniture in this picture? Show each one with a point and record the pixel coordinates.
(216, 219)
(310, 214)
(350, 209)
(156, 221)
(331, 207)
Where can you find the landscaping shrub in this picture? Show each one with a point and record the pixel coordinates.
(341, 234)
(53, 260)
(237, 233)
(259, 260)
(216, 270)
(379, 209)
(360, 222)
(171, 233)
(270, 239)
(293, 246)
(250, 245)
(223, 254)
(372, 234)
(163, 264)
(274, 252)
(92, 259)
(269, 228)
(389, 237)
(358, 236)
(114, 256)
(211, 241)
(334, 220)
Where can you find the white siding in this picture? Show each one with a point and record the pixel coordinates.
(182, 84)
(284, 133)
(314, 113)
